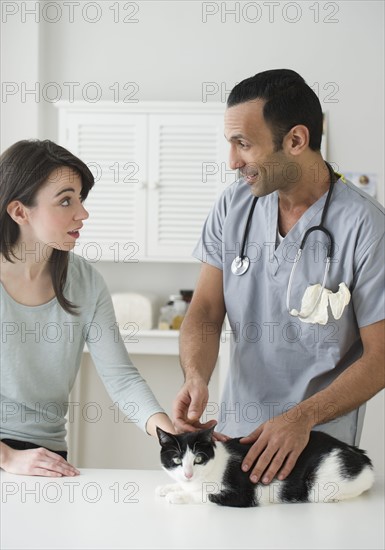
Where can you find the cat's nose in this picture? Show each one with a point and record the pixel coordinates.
(188, 475)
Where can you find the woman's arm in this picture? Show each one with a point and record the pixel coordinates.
(35, 462)
(121, 378)
(162, 421)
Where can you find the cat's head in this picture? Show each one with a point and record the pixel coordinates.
(187, 457)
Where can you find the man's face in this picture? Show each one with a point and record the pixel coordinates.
(252, 150)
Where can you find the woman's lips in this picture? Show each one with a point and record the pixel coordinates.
(74, 234)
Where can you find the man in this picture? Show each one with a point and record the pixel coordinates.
(299, 360)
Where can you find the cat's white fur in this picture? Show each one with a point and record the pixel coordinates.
(331, 486)
(196, 482)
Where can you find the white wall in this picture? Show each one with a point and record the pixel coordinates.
(170, 53)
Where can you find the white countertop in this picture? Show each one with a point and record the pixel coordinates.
(113, 509)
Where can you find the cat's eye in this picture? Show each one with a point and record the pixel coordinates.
(177, 460)
(198, 459)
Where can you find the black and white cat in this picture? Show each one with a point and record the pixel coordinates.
(327, 470)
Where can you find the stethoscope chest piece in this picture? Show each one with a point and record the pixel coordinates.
(240, 265)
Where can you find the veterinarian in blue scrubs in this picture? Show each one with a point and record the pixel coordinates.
(306, 354)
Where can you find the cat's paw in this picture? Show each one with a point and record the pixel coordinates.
(163, 490)
(177, 498)
(160, 491)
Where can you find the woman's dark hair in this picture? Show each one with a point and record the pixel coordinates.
(24, 169)
(288, 101)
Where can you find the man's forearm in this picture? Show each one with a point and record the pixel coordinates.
(5, 452)
(199, 344)
(361, 381)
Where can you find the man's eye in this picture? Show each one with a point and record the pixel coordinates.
(177, 460)
(198, 459)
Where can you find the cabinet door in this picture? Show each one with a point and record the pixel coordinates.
(113, 145)
(186, 159)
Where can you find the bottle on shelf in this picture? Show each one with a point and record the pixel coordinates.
(165, 317)
(186, 295)
(179, 308)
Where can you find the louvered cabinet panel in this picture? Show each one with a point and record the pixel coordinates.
(114, 146)
(186, 153)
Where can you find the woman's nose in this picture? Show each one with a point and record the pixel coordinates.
(82, 213)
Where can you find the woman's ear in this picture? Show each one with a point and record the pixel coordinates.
(18, 212)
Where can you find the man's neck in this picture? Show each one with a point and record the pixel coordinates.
(292, 203)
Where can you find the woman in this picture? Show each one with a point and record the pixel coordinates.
(52, 302)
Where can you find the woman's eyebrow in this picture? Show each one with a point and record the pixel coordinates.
(65, 191)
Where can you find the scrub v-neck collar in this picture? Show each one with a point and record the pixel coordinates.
(295, 234)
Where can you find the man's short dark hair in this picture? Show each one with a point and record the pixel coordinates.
(288, 101)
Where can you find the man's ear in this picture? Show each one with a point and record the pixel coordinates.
(18, 212)
(297, 140)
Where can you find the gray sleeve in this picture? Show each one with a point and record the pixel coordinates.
(121, 378)
(209, 247)
(369, 285)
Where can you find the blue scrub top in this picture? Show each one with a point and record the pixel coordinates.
(277, 360)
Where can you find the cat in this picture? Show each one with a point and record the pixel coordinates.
(205, 470)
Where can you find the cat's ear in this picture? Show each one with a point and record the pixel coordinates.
(208, 434)
(164, 437)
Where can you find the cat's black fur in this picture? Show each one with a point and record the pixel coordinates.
(236, 487)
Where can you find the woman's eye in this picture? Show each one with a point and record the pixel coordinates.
(177, 460)
(65, 202)
(198, 459)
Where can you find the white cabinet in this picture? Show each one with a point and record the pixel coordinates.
(158, 167)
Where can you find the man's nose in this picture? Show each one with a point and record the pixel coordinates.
(235, 160)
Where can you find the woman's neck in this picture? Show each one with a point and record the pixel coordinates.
(28, 263)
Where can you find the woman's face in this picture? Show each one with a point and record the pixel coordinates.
(58, 214)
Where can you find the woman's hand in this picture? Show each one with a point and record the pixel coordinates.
(160, 420)
(35, 462)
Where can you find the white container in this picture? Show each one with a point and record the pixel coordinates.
(132, 308)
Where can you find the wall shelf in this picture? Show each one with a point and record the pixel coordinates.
(151, 342)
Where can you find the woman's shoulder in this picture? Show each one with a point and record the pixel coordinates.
(83, 273)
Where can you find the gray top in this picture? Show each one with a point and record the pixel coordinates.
(41, 350)
(276, 359)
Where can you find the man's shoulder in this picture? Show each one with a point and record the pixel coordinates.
(360, 201)
(359, 211)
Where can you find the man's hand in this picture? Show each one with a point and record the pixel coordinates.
(36, 462)
(277, 446)
(189, 405)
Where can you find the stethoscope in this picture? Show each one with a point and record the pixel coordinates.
(241, 263)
